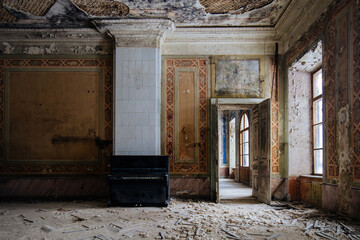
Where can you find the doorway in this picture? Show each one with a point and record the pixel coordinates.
(240, 139)
(234, 153)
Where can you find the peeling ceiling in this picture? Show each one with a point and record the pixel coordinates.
(232, 6)
(65, 13)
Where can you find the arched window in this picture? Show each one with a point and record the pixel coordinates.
(244, 141)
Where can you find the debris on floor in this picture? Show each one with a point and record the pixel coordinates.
(183, 219)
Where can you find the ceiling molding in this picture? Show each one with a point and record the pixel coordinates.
(54, 41)
(220, 41)
(223, 34)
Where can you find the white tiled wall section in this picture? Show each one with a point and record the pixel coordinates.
(137, 101)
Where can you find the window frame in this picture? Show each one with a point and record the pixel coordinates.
(313, 100)
(241, 143)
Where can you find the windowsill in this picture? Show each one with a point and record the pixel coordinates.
(312, 176)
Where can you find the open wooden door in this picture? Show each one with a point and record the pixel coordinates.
(260, 148)
(215, 175)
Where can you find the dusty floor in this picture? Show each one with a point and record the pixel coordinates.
(183, 219)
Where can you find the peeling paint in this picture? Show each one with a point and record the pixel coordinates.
(40, 50)
(8, 48)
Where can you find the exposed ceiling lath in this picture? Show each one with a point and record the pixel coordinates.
(232, 6)
(38, 8)
(5, 16)
(102, 8)
(107, 8)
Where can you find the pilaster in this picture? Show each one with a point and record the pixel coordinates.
(137, 83)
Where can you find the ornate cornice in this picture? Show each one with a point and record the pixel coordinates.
(53, 41)
(223, 35)
(136, 32)
(221, 41)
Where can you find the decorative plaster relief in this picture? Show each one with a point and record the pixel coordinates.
(44, 42)
(136, 32)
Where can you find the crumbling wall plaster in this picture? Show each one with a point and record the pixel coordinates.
(339, 29)
(299, 124)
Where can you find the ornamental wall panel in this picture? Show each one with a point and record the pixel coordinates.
(185, 114)
(55, 116)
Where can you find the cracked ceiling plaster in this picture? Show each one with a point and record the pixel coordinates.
(182, 12)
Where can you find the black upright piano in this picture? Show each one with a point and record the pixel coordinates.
(139, 180)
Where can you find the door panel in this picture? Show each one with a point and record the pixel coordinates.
(244, 174)
(214, 152)
(260, 135)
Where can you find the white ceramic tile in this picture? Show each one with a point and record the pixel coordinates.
(131, 54)
(122, 106)
(146, 66)
(125, 67)
(137, 120)
(139, 106)
(139, 133)
(149, 106)
(132, 67)
(132, 93)
(138, 145)
(146, 132)
(124, 119)
(132, 105)
(145, 119)
(132, 116)
(124, 93)
(131, 145)
(123, 52)
(141, 93)
(152, 120)
(131, 132)
(138, 53)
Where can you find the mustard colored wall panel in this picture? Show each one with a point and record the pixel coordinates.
(56, 116)
(52, 115)
(185, 112)
(187, 149)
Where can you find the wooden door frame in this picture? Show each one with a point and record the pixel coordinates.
(216, 103)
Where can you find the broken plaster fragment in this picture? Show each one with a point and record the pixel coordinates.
(8, 48)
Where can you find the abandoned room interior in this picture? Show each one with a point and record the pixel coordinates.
(254, 106)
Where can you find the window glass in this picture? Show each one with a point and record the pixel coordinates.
(318, 112)
(246, 148)
(246, 121)
(246, 161)
(318, 160)
(317, 86)
(318, 136)
(244, 141)
(317, 115)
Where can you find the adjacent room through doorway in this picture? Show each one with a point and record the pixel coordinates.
(234, 153)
